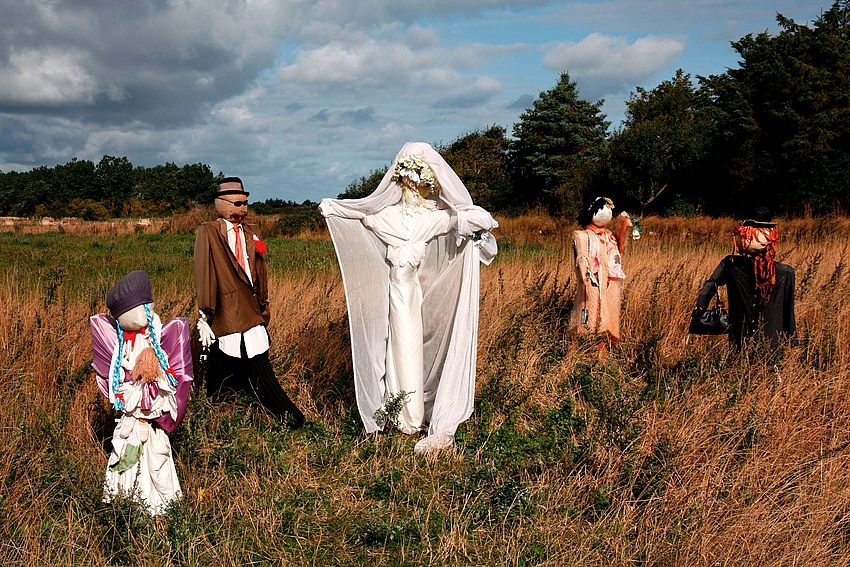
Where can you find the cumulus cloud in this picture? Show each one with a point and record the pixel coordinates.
(479, 92)
(299, 97)
(613, 58)
(367, 63)
(47, 77)
(115, 62)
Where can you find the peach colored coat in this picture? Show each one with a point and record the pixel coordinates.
(600, 277)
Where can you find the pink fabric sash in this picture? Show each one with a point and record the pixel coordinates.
(176, 344)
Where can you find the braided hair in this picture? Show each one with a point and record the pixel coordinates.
(115, 376)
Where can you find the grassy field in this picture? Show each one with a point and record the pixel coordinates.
(675, 451)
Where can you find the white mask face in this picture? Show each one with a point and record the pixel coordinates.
(134, 319)
(603, 217)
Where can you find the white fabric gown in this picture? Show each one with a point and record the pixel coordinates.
(406, 230)
(447, 279)
(153, 477)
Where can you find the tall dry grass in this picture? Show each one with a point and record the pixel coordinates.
(674, 451)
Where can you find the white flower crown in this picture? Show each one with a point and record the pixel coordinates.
(418, 170)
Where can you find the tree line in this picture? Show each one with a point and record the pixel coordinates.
(775, 130)
(113, 187)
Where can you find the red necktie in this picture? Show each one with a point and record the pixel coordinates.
(240, 258)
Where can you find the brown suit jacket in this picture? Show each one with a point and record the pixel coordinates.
(224, 291)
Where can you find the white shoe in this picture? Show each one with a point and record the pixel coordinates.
(433, 443)
(144, 430)
(127, 426)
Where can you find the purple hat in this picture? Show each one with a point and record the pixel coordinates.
(132, 290)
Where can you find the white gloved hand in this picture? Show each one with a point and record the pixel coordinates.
(205, 333)
(473, 219)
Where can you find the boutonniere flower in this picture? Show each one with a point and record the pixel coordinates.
(260, 246)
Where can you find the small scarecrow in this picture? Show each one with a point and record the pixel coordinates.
(144, 368)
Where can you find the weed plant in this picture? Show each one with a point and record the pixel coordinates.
(674, 450)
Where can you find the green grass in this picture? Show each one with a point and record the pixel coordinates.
(87, 266)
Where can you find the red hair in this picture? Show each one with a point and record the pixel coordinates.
(763, 262)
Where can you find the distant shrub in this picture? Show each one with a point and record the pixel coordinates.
(296, 220)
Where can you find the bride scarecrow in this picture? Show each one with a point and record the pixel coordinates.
(144, 368)
(409, 255)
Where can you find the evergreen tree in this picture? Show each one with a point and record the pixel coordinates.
(785, 122)
(555, 142)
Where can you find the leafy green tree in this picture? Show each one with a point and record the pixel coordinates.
(10, 184)
(556, 140)
(34, 190)
(196, 185)
(115, 179)
(656, 159)
(158, 186)
(785, 115)
(113, 185)
(74, 180)
(481, 161)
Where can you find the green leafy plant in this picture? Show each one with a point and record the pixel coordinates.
(391, 409)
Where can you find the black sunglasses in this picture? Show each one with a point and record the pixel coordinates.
(235, 203)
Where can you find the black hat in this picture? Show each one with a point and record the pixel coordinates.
(132, 290)
(230, 186)
(760, 217)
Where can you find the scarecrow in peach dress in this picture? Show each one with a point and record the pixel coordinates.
(599, 271)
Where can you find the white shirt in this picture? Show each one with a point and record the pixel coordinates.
(256, 338)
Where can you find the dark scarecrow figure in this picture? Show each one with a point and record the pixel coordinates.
(760, 290)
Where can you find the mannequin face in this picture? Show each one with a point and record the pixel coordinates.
(755, 246)
(226, 208)
(134, 319)
(603, 216)
(420, 188)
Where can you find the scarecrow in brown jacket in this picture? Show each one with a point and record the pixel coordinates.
(232, 287)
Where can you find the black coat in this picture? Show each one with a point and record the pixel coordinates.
(747, 316)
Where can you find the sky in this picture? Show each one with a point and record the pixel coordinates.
(301, 97)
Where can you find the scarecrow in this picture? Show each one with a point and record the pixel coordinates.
(409, 255)
(144, 368)
(598, 256)
(233, 298)
(760, 290)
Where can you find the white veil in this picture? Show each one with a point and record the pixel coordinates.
(449, 278)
